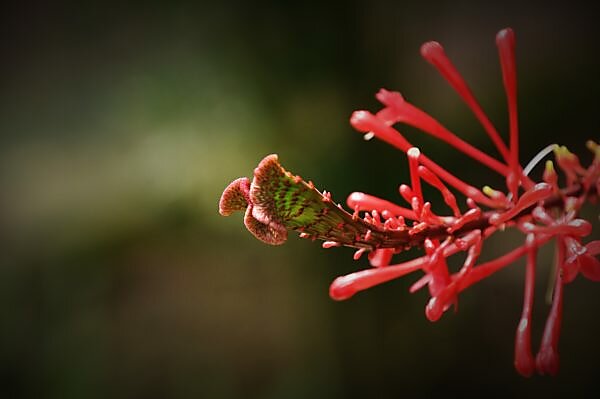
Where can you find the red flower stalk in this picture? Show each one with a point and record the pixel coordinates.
(277, 201)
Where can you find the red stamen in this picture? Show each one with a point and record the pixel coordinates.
(547, 359)
(497, 196)
(488, 268)
(569, 164)
(473, 255)
(524, 361)
(381, 257)
(575, 227)
(346, 286)
(471, 204)
(438, 269)
(376, 218)
(466, 241)
(592, 175)
(407, 193)
(468, 216)
(438, 304)
(434, 53)
(365, 121)
(505, 40)
(413, 164)
(399, 110)
(363, 202)
(434, 181)
(420, 283)
(401, 222)
(428, 216)
(390, 224)
(417, 228)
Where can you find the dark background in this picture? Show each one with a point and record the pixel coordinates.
(121, 125)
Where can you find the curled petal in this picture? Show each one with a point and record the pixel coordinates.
(271, 233)
(235, 197)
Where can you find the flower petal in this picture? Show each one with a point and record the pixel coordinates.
(590, 267)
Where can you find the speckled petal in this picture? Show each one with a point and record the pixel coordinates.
(235, 197)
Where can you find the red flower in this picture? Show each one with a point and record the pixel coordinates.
(277, 201)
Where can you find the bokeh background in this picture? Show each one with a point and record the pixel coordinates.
(120, 125)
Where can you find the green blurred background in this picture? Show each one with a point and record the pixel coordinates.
(120, 125)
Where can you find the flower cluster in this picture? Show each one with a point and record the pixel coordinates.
(277, 201)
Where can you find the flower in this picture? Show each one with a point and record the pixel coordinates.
(277, 201)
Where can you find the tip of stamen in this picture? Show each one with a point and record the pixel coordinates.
(413, 152)
(561, 151)
(389, 98)
(342, 288)
(361, 121)
(547, 361)
(359, 253)
(431, 50)
(593, 147)
(354, 199)
(506, 35)
(434, 309)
